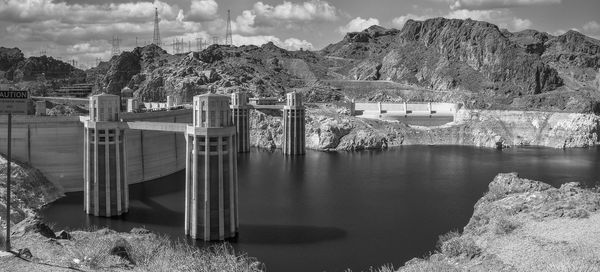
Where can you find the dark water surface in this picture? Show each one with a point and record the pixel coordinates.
(331, 211)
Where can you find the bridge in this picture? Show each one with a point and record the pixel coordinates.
(219, 130)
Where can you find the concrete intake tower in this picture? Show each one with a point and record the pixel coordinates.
(293, 125)
(105, 174)
(211, 183)
(241, 120)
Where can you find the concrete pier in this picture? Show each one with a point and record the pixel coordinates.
(211, 188)
(241, 119)
(105, 174)
(293, 125)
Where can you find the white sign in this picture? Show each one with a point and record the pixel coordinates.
(14, 102)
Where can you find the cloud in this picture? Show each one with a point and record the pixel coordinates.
(202, 10)
(358, 24)
(494, 4)
(27, 11)
(591, 27)
(399, 22)
(502, 17)
(289, 44)
(263, 17)
(520, 24)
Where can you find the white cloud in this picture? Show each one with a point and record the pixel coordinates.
(358, 24)
(306, 11)
(520, 24)
(494, 4)
(399, 22)
(591, 27)
(263, 17)
(289, 44)
(202, 10)
(26, 11)
(502, 17)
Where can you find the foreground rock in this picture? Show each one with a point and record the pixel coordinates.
(329, 128)
(108, 250)
(524, 225)
(30, 190)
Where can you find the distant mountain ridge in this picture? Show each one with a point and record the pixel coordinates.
(463, 61)
(466, 54)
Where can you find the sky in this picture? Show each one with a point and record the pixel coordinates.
(83, 30)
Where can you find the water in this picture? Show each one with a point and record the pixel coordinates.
(332, 211)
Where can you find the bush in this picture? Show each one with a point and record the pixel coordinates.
(445, 237)
(505, 226)
(461, 246)
(2, 238)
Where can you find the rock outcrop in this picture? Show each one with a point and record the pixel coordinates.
(327, 129)
(29, 191)
(523, 225)
(9, 57)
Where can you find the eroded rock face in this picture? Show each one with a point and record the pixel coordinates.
(509, 194)
(29, 190)
(326, 129)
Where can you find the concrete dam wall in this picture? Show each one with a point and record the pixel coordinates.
(54, 145)
(376, 109)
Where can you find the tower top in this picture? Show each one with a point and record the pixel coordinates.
(239, 99)
(212, 111)
(104, 107)
(294, 99)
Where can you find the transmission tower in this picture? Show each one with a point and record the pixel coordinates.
(156, 39)
(228, 35)
(199, 44)
(215, 40)
(116, 48)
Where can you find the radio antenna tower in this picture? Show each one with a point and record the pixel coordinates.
(228, 35)
(116, 49)
(156, 39)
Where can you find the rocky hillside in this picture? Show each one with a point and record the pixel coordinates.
(29, 190)
(523, 225)
(9, 57)
(469, 59)
(154, 74)
(331, 128)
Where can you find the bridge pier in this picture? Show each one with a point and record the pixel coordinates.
(211, 190)
(241, 120)
(293, 125)
(105, 174)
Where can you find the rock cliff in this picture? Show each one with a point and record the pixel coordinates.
(523, 225)
(327, 129)
(29, 190)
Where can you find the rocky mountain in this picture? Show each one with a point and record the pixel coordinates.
(10, 57)
(527, 69)
(154, 74)
(470, 62)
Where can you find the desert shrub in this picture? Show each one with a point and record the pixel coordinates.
(577, 213)
(2, 238)
(161, 254)
(92, 252)
(445, 237)
(461, 246)
(505, 225)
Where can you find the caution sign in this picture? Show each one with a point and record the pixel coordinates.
(14, 102)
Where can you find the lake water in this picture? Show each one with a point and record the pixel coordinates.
(332, 211)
